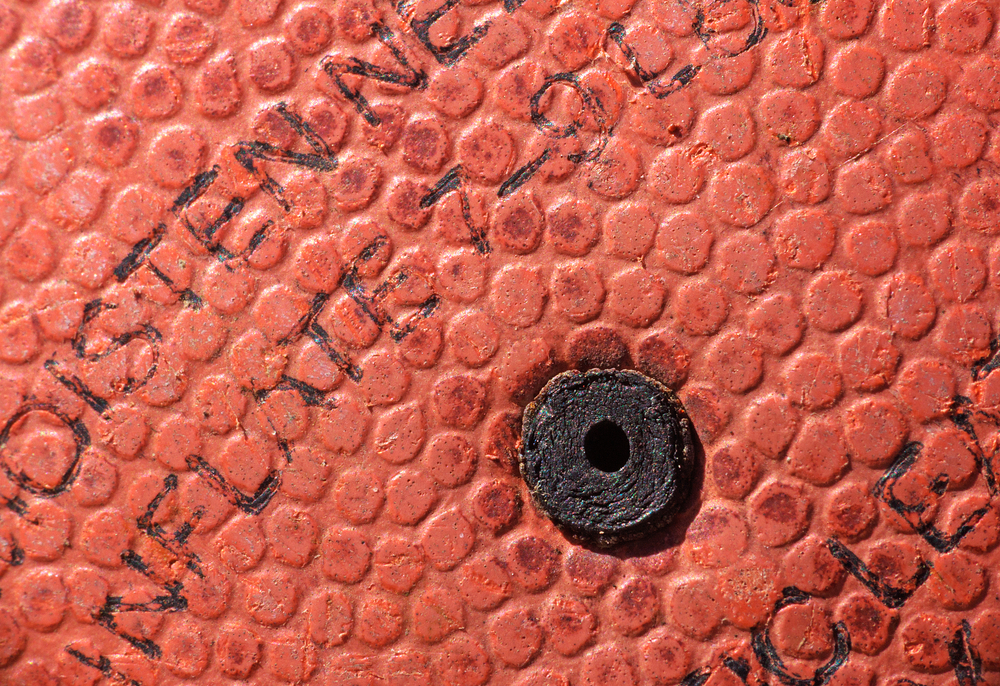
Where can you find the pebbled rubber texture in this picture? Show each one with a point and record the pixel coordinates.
(279, 277)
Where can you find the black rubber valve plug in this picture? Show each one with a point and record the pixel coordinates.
(608, 455)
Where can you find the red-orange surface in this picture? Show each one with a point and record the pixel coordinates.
(278, 278)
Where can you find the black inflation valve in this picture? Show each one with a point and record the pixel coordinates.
(608, 455)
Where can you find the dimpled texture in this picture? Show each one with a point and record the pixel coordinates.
(268, 325)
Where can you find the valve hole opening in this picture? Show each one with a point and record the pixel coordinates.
(606, 446)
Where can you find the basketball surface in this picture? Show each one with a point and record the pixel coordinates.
(278, 279)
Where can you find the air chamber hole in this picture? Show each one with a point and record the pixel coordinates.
(606, 446)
